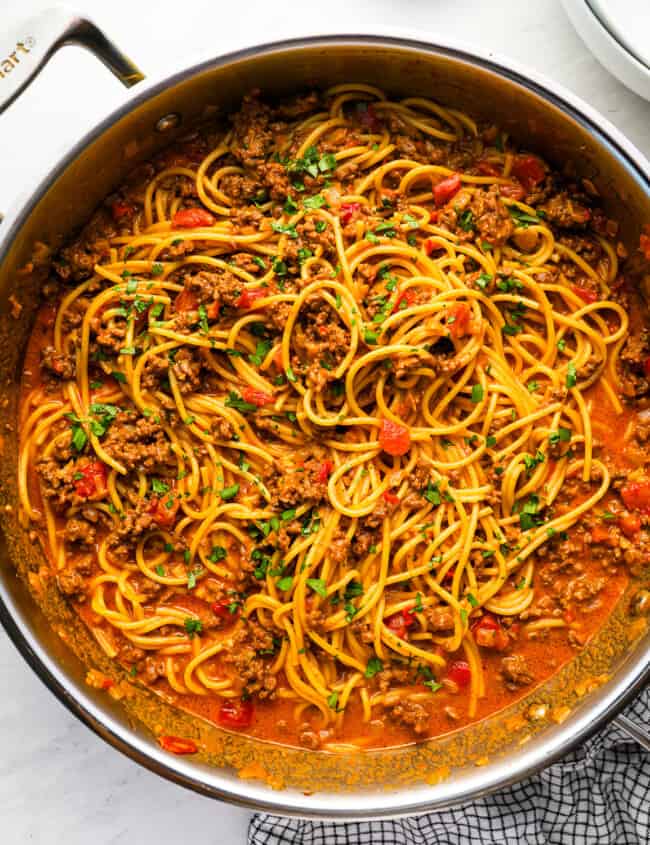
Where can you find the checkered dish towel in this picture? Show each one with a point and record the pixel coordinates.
(599, 793)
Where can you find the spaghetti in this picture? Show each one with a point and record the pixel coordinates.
(317, 388)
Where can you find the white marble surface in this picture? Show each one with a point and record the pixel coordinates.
(57, 780)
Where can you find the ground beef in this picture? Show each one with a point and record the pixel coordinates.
(186, 367)
(57, 482)
(581, 589)
(308, 737)
(222, 429)
(134, 522)
(220, 286)
(362, 542)
(73, 578)
(565, 212)
(77, 261)
(252, 669)
(129, 653)
(411, 715)
(154, 668)
(240, 189)
(61, 365)
(252, 135)
(277, 317)
(439, 618)
(110, 336)
(320, 341)
(74, 314)
(155, 369)
(311, 238)
(339, 547)
(298, 481)
(388, 678)
(515, 671)
(80, 531)
(632, 358)
(490, 216)
(138, 443)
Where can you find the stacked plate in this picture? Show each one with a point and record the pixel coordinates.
(618, 33)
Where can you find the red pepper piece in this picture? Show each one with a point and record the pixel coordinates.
(394, 438)
(192, 218)
(445, 190)
(236, 714)
(249, 297)
(92, 483)
(177, 745)
(460, 673)
(257, 397)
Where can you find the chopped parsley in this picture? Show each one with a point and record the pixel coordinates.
(521, 218)
(285, 584)
(229, 492)
(318, 586)
(315, 202)
(571, 375)
(333, 701)
(234, 400)
(562, 435)
(192, 626)
(373, 666)
(281, 229)
(159, 487)
(530, 463)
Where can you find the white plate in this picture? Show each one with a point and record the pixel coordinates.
(618, 34)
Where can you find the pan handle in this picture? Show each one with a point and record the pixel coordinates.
(26, 48)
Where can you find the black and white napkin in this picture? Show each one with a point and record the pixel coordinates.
(599, 793)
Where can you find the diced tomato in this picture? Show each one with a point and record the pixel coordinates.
(192, 218)
(569, 615)
(644, 241)
(249, 297)
(636, 495)
(459, 325)
(445, 190)
(222, 607)
(368, 117)
(486, 168)
(177, 745)
(257, 397)
(399, 623)
(529, 171)
(513, 192)
(460, 673)
(164, 510)
(586, 294)
(236, 714)
(122, 209)
(349, 211)
(390, 497)
(394, 438)
(430, 245)
(186, 301)
(90, 480)
(106, 683)
(630, 524)
(601, 534)
(404, 300)
(489, 633)
(324, 471)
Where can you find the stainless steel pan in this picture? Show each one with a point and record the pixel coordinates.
(542, 116)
